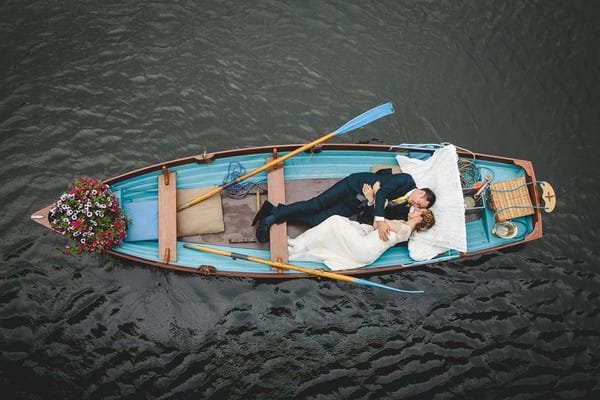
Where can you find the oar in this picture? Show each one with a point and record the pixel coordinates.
(310, 271)
(360, 121)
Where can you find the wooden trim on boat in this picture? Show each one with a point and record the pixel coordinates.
(209, 270)
(276, 194)
(536, 218)
(210, 157)
(167, 216)
(41, 217)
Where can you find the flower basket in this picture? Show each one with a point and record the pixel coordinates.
(90, 215)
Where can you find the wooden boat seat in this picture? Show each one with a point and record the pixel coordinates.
(394, 167)
(167, 216)
(276, 195)
(510, 198)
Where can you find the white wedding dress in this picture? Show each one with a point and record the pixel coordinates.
(341, 243)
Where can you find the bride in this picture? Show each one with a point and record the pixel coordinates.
(341, 243)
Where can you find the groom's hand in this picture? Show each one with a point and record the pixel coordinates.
(367, 191)
(383, 228)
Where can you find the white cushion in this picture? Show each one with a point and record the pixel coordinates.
(440, 174)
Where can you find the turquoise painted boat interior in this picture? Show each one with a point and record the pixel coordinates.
(326, 164)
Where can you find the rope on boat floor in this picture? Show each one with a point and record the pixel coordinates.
(241, 189)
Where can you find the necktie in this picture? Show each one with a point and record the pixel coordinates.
(400, 199)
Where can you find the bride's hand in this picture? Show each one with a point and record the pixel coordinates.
(383, 229)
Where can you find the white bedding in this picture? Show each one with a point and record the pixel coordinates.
(440, 174)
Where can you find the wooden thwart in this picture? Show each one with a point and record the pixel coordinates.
(167, 217)
(513, 203)
(276, 195)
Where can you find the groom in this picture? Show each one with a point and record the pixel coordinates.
(346, 198)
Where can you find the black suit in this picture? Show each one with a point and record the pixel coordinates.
(341, 198)
(392, 211)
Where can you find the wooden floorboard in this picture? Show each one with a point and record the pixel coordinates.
(238, 215)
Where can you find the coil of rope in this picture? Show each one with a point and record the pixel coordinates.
(241, 189)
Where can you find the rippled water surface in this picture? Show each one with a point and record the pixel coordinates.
(100, 88)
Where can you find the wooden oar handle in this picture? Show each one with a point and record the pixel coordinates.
(266, 166)
(200, 198)
(310, 271)
(281, 159)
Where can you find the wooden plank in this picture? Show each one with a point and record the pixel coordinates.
(167, 218)
(507, 193)
(276, 195)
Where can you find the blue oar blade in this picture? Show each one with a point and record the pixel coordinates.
(366, 118)
(379, 285)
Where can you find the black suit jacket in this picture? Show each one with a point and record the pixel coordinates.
(342, 198)
(392, 186)
(399, 211)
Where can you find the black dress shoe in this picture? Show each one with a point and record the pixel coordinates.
(262, 232)
(263, 211)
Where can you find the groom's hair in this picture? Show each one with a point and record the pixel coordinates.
(430, 196)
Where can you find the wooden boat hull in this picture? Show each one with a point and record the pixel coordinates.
(333, 161)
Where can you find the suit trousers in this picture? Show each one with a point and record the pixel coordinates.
(339, 199)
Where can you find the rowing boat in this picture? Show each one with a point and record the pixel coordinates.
(501, 204)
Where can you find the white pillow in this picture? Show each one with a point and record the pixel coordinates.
(440, 174)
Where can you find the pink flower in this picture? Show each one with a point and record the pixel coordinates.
(96, 225)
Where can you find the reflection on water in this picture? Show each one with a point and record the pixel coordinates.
(91, 89)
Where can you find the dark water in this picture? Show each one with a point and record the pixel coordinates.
(99, 88)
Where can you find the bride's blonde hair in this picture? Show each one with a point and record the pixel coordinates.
(427, 221)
